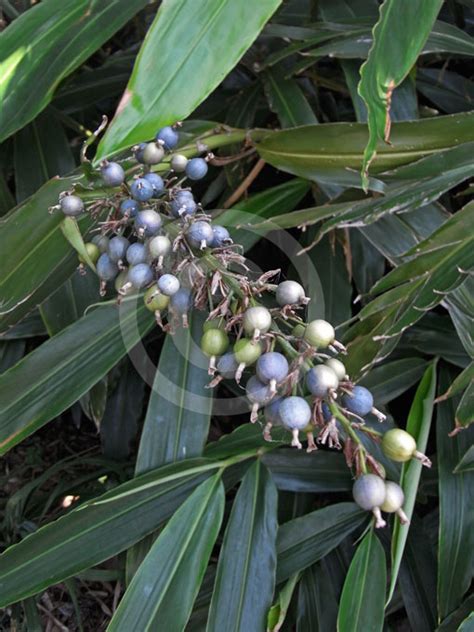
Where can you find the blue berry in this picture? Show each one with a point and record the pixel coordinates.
(139, 152)
(141, 190)
(369, 491)
(107, 269)
(320, 379)
(200, 234)
(257, 391)
(272, 412)
(168, 284)
(101, 241)
(196, 168)
(140, 275)
(129, 208)
(156, 182)
(360, 401)
(117, 248)
(272, 367)
(295, 413)
(227, 365)
(327, 414)
(221, 237)
(169, 136)
(147, 222)
(183, 204)
(136, 253)
(71, 205)
(112, 174)
(182, 301)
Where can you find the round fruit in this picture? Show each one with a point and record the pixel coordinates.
(369, 491)
(147, 222)
(156, 182)
(319, 333)
(107, 269)
(138, 151)
(154, 300)
(152, 153)
(321, 379)
(221, 237)
(272, 412)
(141, 190)
(140, 275)
(338, 368)
(289, 293)
(214, 342)
(258, 392)
(183, 205)
(93, 252)
(117, 248)
(182, 301)
(136, 253)
(200, 234)
(227, 365)
(247, 352)
(112, 174)
(298, 330)
(196, 168)
(169, 136)
(394, 497)
(398, 445)
(360, 401)
(257, 319)
(159, 246)
(129, 208)
(272, 366)
(178, 163)
(295, 413)
(168, 284)
(214, 323)
(121, 284)
(101, 241)
(71, 205)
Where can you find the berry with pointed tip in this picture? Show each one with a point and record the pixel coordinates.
(338, 368)
(369, 493)
(129, 208)
(196, 168)
(136, 253)
(93, 252)
(295, 413)
(221, 237)
(159, 246)
(147, 222)
(154, 300)
(71, 205)
(140, 275)
(152, 153)
(156, 182)
(141, 190)
(117, 248)
(168, 284)
(169, 136)
(107, 269)
(200, 234)
(112, 174)
(400, 446)
(272, 368)
(257, 320)
(320, 380)
(182, 301)
(227, 365)
(101, 241)
(289, 293)
(319, 333)
(214, 342)
(183, 204)
(178, 163)
(359, 401)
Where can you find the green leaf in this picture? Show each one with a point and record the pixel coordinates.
(245, 577)
(45, 44)
(213, 36)
(181, 553)
(466, 464)
(287, 100)
(363, 595)
(388, 381)
(60, 371)
(98, 529)
(460, 305)
(317, 600)
(456, 497)
(277, 613)
(418, 425)
(303, 541)
(71, 231)
(447, 90)
(465, 410)
(459, 617)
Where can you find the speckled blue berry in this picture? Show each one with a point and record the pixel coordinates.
(148, 222)
(272, 366)
(272, 411)
(107, 269)
(117, 248)
(295, 413)
(320, 379)
(221, 237)
(200, 234)
(183, 204)
(136, 253)
(196, 168)
(169, 136)
(112, 174)
(257, 391)
(140, 275)
(182, 301)
(227, 365)
(168, 284)
(360, 401)
(129, 208)
(156, 182)
(141, 190)
(71, 205)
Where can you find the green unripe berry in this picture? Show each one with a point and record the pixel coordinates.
(394, 497)
(247, 352)
(398, 445)
(120, 283)
(338, 368)
(319, 333)
(298, 330)
(93, 252)
(214, 342)
(154, 300)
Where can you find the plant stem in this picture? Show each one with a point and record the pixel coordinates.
(351, 432)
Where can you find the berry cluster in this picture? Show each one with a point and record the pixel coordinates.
(157, 238)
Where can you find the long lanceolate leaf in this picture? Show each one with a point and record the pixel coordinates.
(47, 43)
(398, 39)
(191, 46)
(246, 570)
(56, 374)
(418, 425)
(173, 570)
